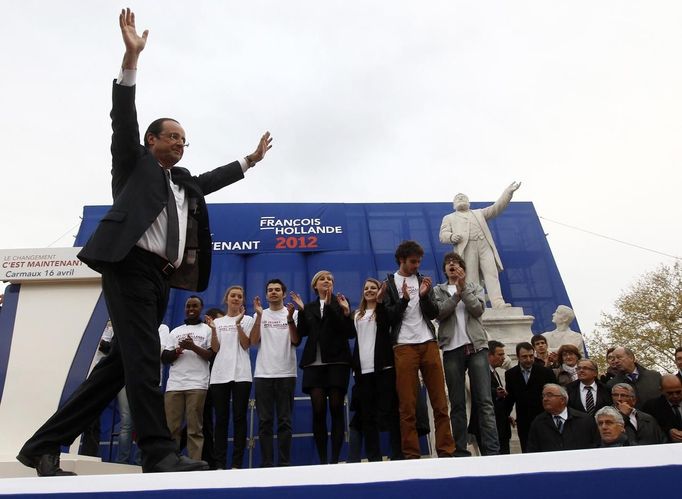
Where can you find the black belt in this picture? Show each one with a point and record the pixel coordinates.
(156, 261)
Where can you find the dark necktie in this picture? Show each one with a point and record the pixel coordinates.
(559, 423)
(497, 377)
(633, 377)
(678, 416)
(173, 228)
(589, 401)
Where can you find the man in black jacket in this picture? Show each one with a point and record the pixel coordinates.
(411, 306)
(587, 394)
(666, 409)
(155, 236)
(524, 383)
(559, 427)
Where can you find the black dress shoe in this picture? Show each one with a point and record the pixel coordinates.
(173, 462)
(45, 464)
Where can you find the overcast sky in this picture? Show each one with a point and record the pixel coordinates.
(369, 101)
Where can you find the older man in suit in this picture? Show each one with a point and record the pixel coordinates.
(524, 383)
(560, 427)
(587, 394)
(641, 427)
(646, 382)
(468, 231)
(666, 408)
(155, 236)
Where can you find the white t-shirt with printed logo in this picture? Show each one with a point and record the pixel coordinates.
(276, 355)
(189, 371)
(413, 329)
(232, 362)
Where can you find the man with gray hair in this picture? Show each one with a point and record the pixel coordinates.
(646, 383)
(560, 427)
(642, 428)
(468, 231)
(611, 428)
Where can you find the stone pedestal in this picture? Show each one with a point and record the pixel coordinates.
(508, 325)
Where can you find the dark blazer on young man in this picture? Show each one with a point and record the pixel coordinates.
(136, 285)
(601, 399)
(579, 432)
(526, 396)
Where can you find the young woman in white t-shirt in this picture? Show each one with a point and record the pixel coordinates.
(375, 399)
(231, 377)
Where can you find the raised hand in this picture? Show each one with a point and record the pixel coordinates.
(343, 303)
(257, 305)
(425, 286)
(133, 42)
(264, 145)
(382, 292)
(242, 311)
(514, 186)
(290, 311)
(208, 320)
(460, 277)
(297, 299)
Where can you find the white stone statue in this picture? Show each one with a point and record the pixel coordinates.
(468, 231)
(563, 335)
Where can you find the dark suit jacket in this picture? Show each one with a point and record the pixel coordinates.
(648, 432)
(527, 397)
(501, 416)
(602, 398)
(579, 432)
(139, 191)
(331, 331)
(660, 409)
(383, 348)
(648, 384)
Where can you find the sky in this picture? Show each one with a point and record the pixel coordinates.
(372, 101)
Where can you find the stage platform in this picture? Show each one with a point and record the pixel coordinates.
(641, 472)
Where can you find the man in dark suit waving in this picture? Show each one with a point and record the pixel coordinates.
(155, 236)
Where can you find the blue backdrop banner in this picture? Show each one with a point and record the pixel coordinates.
(278, 228)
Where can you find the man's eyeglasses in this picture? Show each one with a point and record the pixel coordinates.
(175, 137)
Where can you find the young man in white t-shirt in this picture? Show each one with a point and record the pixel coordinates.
(411, 307)
(464, 341)
(189, 349)
(275, 377)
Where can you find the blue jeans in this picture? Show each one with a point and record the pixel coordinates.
(456, 364)
(125, 432)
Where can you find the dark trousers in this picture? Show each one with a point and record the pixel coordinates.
(221, 394)
(136, 294)
(275, 394)
(377, 406)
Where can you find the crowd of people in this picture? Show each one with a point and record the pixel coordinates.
(156, 236)
(407, 331)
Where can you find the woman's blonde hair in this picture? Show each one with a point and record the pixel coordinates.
(227, 293)
(316, 278)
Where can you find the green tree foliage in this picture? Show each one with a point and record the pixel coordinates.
(647, 319)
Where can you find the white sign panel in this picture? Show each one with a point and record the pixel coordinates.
(43, 264)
